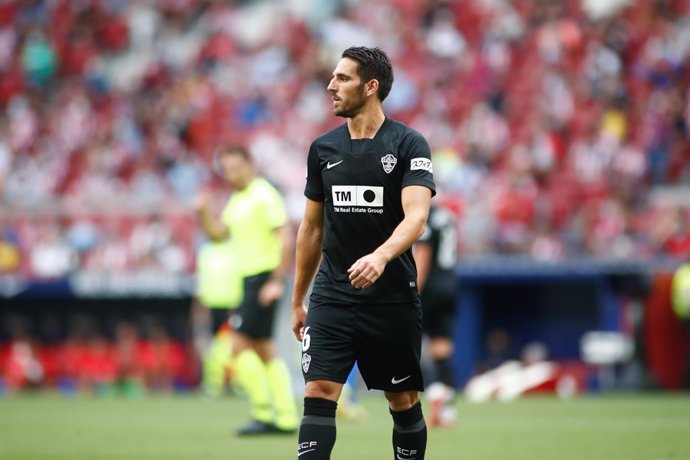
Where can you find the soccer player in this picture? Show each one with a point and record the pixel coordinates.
(369, 187)
(436, 255)
(255, 221)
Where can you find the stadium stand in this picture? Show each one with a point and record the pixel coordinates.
(558, 130)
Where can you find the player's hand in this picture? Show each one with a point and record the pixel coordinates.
(299, 317)
(366, 270)
(271, 292)
(202, 201)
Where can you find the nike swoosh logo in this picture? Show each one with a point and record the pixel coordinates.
(395, 382)
(305, 451)
(329, 165)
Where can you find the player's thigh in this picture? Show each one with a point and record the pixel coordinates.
(389, 338)
(327, 343)
(440, 310)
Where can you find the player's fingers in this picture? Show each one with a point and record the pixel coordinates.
(362, 282)
(355, 273)
(357, 279)
(368, 275)
(355, 269)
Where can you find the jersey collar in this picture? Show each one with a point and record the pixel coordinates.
(345, 134)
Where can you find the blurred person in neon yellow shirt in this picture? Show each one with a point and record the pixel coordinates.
(255, 222)
(218, 292)
(680, 301)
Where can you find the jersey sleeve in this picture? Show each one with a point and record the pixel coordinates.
(418, 167)
(314, 187)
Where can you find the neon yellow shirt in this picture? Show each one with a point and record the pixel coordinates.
(252, 215)
(219, 284)
(680, 291)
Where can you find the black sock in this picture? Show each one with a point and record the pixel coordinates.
(445, 371)
(317, 431)
(409, 434)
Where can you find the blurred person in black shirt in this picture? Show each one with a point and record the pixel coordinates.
(436, 254)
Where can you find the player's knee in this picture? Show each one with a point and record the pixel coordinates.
(399, 402)
(265, 350)
(323, 389)
(240, 342)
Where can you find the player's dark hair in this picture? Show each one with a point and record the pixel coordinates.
(373, 65)
(230, 150)
(235, 150)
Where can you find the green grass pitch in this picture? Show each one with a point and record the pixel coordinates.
(625, 427)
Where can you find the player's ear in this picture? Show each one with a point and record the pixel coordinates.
(371, 87)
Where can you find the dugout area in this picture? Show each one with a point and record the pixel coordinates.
(550, 304)
(553, 306)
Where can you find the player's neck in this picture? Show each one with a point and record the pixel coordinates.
(366, 124)
(244, 183)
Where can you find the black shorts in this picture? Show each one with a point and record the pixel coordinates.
(384, 339)
(439, 301)
(252, 318)
(219, 316)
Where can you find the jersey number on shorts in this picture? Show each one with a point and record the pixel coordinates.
(306, 339)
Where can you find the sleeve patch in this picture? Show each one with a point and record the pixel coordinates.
(421, 163)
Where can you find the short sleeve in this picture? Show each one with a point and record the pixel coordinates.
(418, 166)
(314, 187)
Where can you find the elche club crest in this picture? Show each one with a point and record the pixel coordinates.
(306, 360)
(388, 162)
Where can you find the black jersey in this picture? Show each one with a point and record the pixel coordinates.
(441, 234)
(360, 183)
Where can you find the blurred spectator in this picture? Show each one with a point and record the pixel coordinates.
(5, 158)
(23, 367)
(110, 256)
(39, 59)
(128, 345)
(9, 247)
(82, 235)
(162, 359)
(51, 256)
(673, 232)
(148, 237)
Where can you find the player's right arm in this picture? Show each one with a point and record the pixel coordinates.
(307, 258)
(214, 228)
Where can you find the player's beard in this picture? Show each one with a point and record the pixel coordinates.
(352, 107)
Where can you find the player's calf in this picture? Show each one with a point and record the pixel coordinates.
(317, 431)
(409, 433)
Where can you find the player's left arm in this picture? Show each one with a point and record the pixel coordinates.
(416, 200)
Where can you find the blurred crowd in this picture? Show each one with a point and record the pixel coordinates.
(558, 128)
(129, 359)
